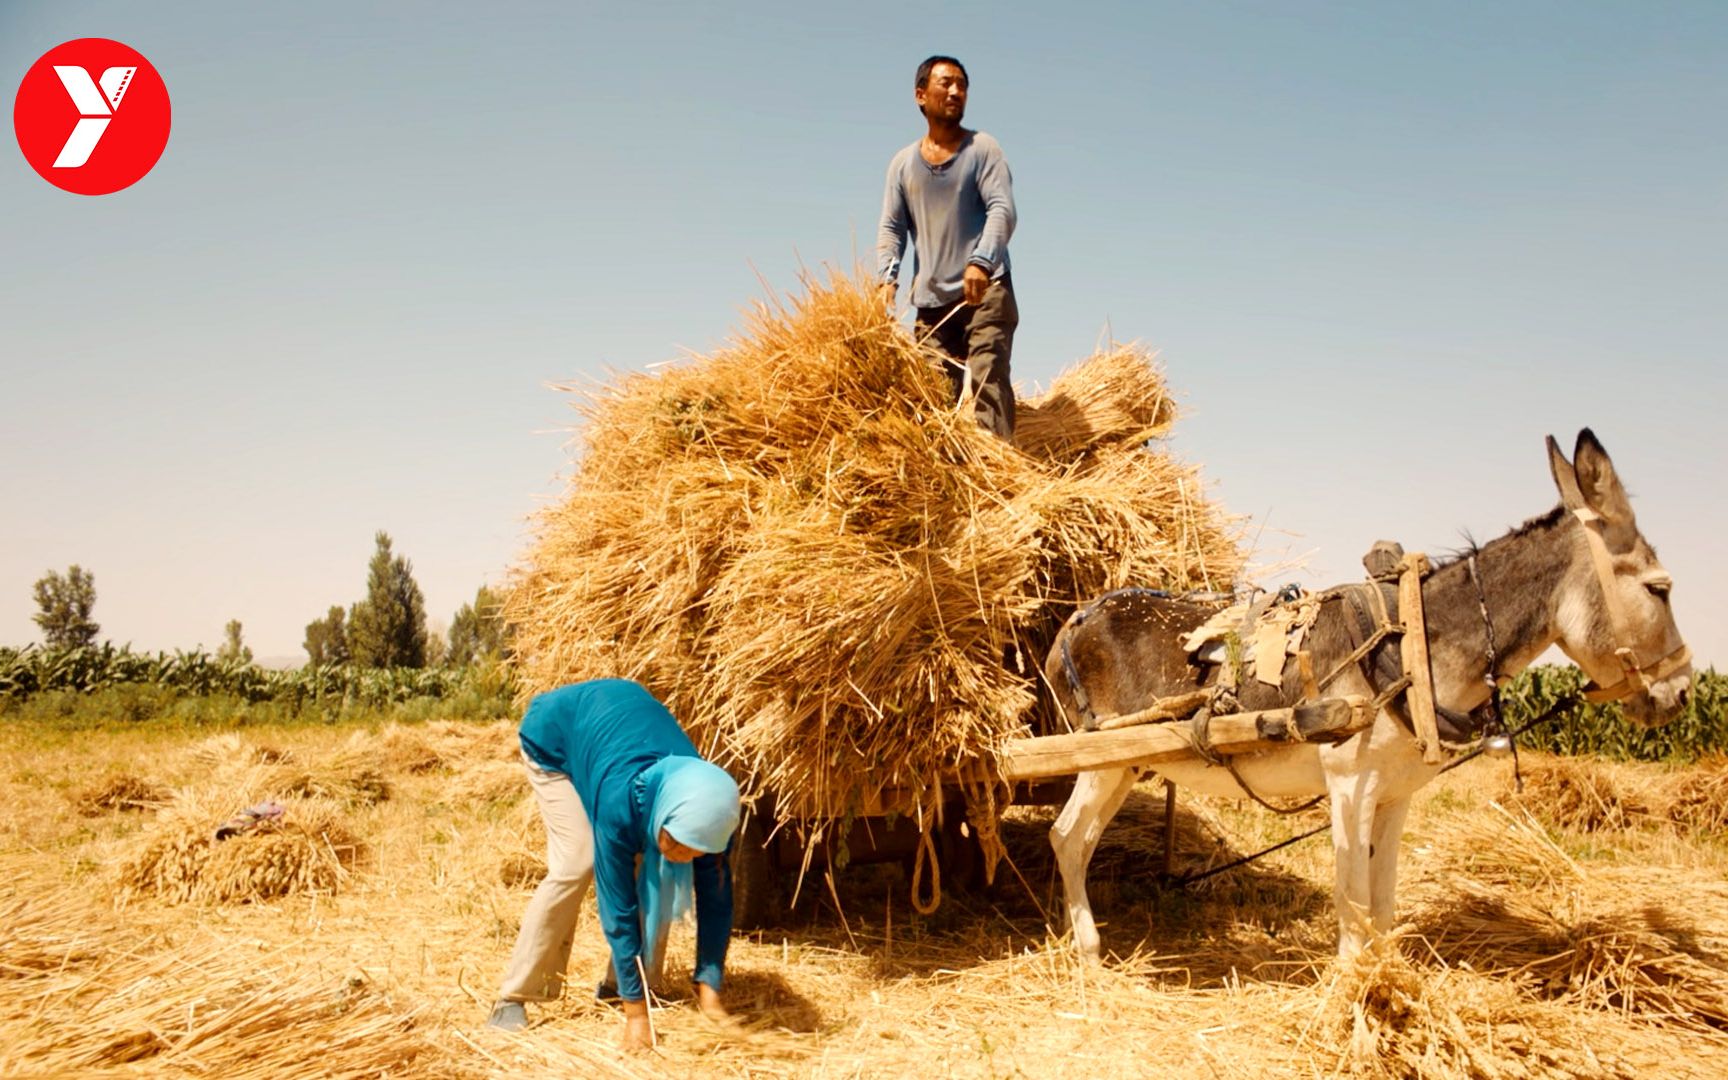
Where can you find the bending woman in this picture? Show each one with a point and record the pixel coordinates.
(617, 780)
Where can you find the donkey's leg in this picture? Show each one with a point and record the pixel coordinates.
(1096, 798)
(1352, 829)
(1383, 845)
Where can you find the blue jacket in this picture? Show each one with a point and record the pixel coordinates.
(604, 735)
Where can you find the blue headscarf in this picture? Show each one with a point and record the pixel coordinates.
(697, 803)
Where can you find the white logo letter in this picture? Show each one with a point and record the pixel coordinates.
(95, 109)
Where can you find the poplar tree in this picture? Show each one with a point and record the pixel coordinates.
(233, 648)
(477, 629)
(388, 627)
(327, 638)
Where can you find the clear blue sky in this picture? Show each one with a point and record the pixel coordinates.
(1383, 249)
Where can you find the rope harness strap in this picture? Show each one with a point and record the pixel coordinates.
(1395, 672)
(1369, 603)
(1570, 701)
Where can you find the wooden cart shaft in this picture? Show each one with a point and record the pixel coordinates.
(1324, 721)
(1149, 736)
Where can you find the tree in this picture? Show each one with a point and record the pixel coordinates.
(477, 629)
(64, 603)
(232, 647)
(327, 638)
(437, 646)
(388, 628)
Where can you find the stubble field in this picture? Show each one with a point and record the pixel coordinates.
(1579, 929)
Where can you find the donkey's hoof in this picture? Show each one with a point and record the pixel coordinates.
(1089, 951)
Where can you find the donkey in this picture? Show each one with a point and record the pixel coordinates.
(1580, 576)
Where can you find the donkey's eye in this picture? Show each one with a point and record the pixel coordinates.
(1659, 589)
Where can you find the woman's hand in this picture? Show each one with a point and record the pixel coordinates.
(708, 1000)
(638, 1035)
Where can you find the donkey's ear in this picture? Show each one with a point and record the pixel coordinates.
(1598, 482)
(1564, 478)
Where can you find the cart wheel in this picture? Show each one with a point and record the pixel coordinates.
(756, 886)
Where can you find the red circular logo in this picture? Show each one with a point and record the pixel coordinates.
(92, 116)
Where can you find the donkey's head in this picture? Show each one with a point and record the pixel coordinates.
(1612, 612)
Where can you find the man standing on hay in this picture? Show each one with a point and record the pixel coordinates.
(629, 804)
(951, 191)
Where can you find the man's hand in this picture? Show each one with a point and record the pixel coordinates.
(708, 1000)
(972, 286)
(885, 294)
(638, 1035)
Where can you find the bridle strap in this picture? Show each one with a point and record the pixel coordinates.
(1638, 678)
(1635, 676)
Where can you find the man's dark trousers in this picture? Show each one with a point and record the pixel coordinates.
(980, 338)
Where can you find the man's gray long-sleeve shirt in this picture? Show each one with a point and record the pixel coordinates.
(957, 213)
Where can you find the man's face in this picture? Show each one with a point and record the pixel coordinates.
(943, 95)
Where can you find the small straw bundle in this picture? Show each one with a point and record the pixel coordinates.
(352, 774)
(230, 748)
(465, 743)
(1517, 906)
(521, 869)
(118, 792)
(1590, 794)
(489, 782)
(409, 749)
(1698, 797)
(443, 744)
(1583, 795)
(310, 849)
(1384, 1016)
(838, 582)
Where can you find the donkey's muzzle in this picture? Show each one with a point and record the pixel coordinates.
(1661, 702)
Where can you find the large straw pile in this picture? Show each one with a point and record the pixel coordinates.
(835, 580)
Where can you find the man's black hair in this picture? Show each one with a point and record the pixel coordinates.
(929, 65)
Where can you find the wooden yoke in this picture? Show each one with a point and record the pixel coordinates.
(1413, 648)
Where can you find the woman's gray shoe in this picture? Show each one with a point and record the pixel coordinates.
(508, 1016)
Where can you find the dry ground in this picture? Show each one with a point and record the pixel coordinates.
(1578, 930)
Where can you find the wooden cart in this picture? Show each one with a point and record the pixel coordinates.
(1041, 768)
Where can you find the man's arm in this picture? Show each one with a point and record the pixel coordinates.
(891, 233)
(996, 188)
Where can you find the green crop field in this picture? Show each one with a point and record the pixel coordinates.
(1701, 730)
(102, 686)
